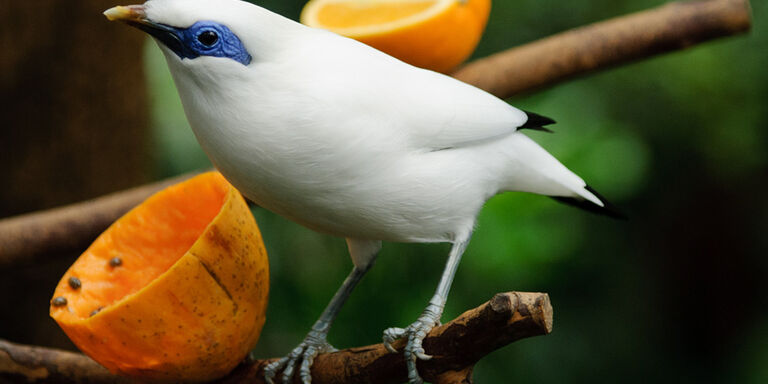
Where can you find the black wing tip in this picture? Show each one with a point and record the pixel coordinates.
(540, 129)
(537, 122)
(607, 209)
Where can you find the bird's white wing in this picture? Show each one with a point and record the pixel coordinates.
(428, 109)
(452, 113)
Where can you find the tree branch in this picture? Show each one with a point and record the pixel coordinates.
(456, 347)
(26, 364)
(603, 45)
(26, 238)
(532, 66)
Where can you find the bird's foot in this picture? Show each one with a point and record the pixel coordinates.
(313, 345)
(415, 334)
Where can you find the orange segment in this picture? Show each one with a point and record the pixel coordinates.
(187, 299)
(433, 34)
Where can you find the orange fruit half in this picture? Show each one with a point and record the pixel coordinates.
(432, 34)
(175, 290)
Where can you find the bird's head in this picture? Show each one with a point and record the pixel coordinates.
(204, 36)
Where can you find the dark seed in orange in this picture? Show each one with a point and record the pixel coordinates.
(74, 283)
(59, 301)
(115, 262)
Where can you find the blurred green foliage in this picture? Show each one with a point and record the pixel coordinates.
(677, 294)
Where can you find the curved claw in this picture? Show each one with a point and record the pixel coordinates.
(306, 352)
(389, 337)
(292, 358)
(272, 368)
(306, 363)
(414, 351)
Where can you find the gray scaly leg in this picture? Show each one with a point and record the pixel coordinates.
(363, 255)
(430, 318)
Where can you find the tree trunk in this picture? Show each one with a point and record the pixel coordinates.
(74, 126)
(75, 115)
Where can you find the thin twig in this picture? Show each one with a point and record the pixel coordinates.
(456, 347)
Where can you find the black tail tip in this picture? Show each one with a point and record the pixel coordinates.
(537, 122)
(607, 209)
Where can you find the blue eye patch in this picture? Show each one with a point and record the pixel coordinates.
(204, 38)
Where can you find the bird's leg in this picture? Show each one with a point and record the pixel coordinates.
(430, 318)
(315, 342)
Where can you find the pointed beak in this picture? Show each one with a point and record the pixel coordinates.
(127, 13)
(136, 16)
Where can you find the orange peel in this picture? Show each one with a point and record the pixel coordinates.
(175, 290)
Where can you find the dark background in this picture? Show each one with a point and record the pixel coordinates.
(675, 294)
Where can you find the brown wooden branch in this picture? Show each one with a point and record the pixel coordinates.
(603, 45)
(26, 364)
(26, 238)
(456, 347)
(529, 67)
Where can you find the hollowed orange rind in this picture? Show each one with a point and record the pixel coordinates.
(187, 299)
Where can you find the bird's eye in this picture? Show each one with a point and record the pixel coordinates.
(208, 38)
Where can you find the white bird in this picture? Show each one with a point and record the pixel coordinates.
(347, 141)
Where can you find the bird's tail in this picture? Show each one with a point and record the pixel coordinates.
(530, 168)
(607, 209)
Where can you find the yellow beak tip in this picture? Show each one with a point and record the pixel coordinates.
(116, 13)
(120, 12)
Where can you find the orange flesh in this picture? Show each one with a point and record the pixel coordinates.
(148, 240)
(188, 301)
(364, 14)
(432, 34)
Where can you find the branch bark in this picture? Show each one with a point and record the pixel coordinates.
(603, 45)
(26, 238)
(21, 363)
(532, 66)
(456, 347)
